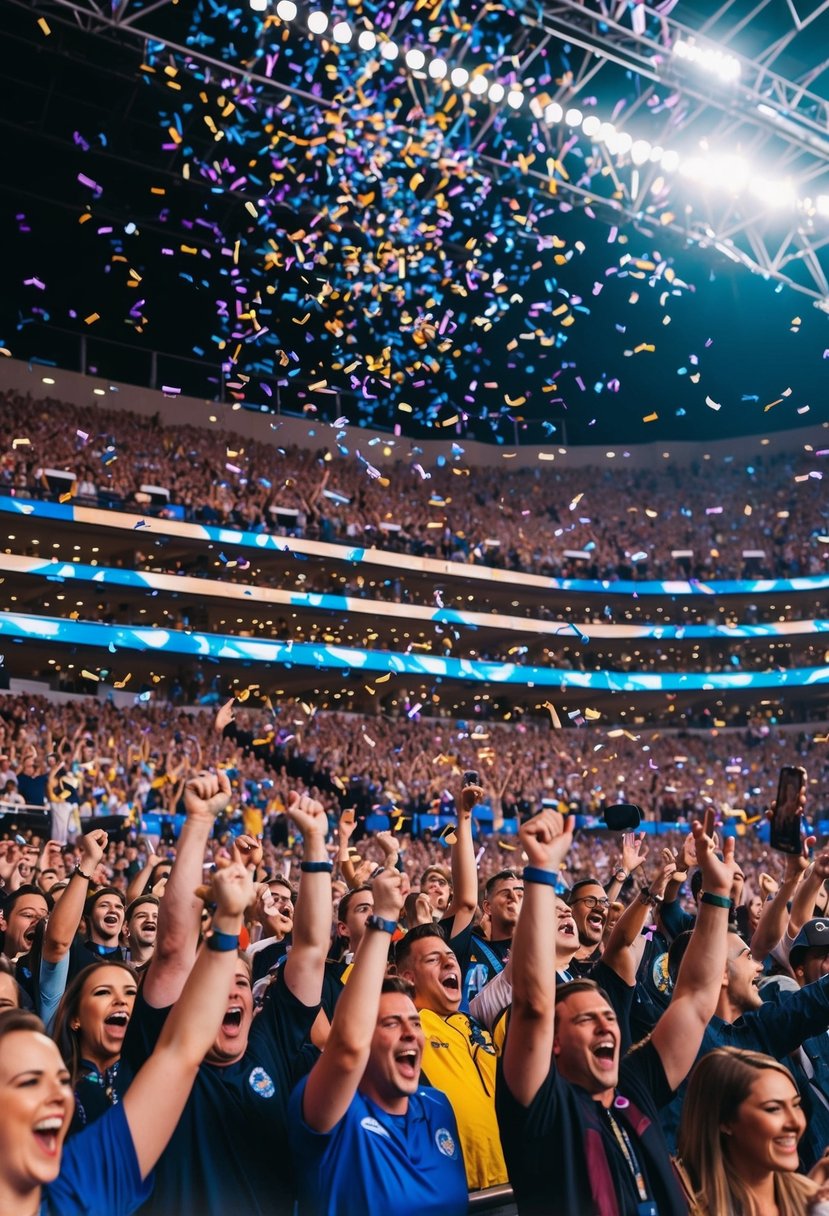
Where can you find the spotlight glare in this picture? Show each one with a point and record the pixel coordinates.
(553, 112)
(670, 160)
(573, 117)
(478, 84)
(415, 59)
(459, 77)
(496, 92)
(258, 6)
(342, 32)
(438, 69)
(640, 151)
(515, 99)
(607, 131)
(822, 204)
(624, 143)
(366, 40)
(389, 50)
(591, 125)
(317, 22)
(286, 10)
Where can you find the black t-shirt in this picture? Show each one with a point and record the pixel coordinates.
(480, 960)
(229, 1152)
(563, 1157)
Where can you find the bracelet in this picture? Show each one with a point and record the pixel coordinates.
(646, 897)
(624, 875)
(385, 926)
(78, 870)
(546, 877)
(718, 901)
(222, 942)
(316, 867)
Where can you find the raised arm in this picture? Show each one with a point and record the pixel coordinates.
(155, 1099)
(66, 915)
(677, 1035)
(619, 953)
(803, 903)
(529, 1046)
(464, 871)
(775, 914)
(335, 1078)
(634, 853)
(305, 964)
(179, 914)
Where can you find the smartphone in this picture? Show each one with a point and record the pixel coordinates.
(786, 821)
(470, 778)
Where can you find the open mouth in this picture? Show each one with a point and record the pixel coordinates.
(407, 1062)
(29, 935)
(596, 921)
(46, 1133)
(605, 1054)
(112, 920)
(451, 983)
(232, 1021)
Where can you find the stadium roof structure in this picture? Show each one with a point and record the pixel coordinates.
(513, 222)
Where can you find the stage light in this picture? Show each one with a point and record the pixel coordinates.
(641, 151)
(286, 10)
(438, 69)
(415, 59)
(342, 32)
(478, 84)
(317, 22)
(388, 50)
(607, 131)
(591, 125)
(573, 117)
(670, 160)
(822, 204)
(710, 59)
(258, 6)
(623, 143)
(496, 92)
(553, 112)
(773, 193)
(515, 99)
(459, 77)
(366, 40)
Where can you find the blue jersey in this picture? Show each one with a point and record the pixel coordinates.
(99, 1174)
(371, 1161)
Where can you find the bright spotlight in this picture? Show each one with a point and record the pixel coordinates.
(640, 151)
(670, 160)
(366, 40)
(496, 92)
(478, 84)
(342, 32)
(258, 6)
(286, 10)
(573, 117)
(515, 99)
(438, 69)
(389, 50)
(553, 112)
(591, 125)
(317, 22)
(459, 77)
(415, 59)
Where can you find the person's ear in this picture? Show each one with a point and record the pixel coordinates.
(74, 1024)
(726, 1129)
(3, 925)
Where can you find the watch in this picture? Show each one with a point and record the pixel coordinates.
(621, 875)
(646, 897)
(385, 926)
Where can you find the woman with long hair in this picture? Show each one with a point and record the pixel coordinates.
(90, 1026)
(741, 1123)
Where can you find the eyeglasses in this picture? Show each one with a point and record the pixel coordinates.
(593, 901)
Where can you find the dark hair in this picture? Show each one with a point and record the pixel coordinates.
(94, 896)
(28, 888)
(67, 1039)
(574, 987)
(403, 948)
(393, 983)
(501, 876)
(139, 900)
(345, 902)
(676, 951)
(440, 870)
(20, 1019)
(696, 883)
(582, 882)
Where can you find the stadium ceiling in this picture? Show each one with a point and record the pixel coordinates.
(769, 113)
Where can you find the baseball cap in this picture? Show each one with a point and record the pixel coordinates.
(814, 933)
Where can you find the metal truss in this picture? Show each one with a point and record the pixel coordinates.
(621, 55)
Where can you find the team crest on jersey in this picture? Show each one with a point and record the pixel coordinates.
(261, 1083)
(444, 1141)
(660, 975)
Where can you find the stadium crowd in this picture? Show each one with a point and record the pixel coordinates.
(361, 1021)
(626, 523)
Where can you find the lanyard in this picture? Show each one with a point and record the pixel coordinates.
(623, 1140)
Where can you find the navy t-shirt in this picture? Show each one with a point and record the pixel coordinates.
(229, 1151)
(374, 1162)
(551, 1157)
(99, 1173)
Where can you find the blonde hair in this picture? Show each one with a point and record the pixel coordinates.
(720, 1083)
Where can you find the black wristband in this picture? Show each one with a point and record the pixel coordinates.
(316, 867)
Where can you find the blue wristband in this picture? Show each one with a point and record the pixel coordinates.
(316, 867)
(385, 926)
(223, 943)
(546, 877)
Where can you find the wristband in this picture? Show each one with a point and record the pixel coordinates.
(222, 942)
(718, 901)
(646, 897)
(546, 877)
(316, 867)
(624, 875)
(78, 870)
(385, 926)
